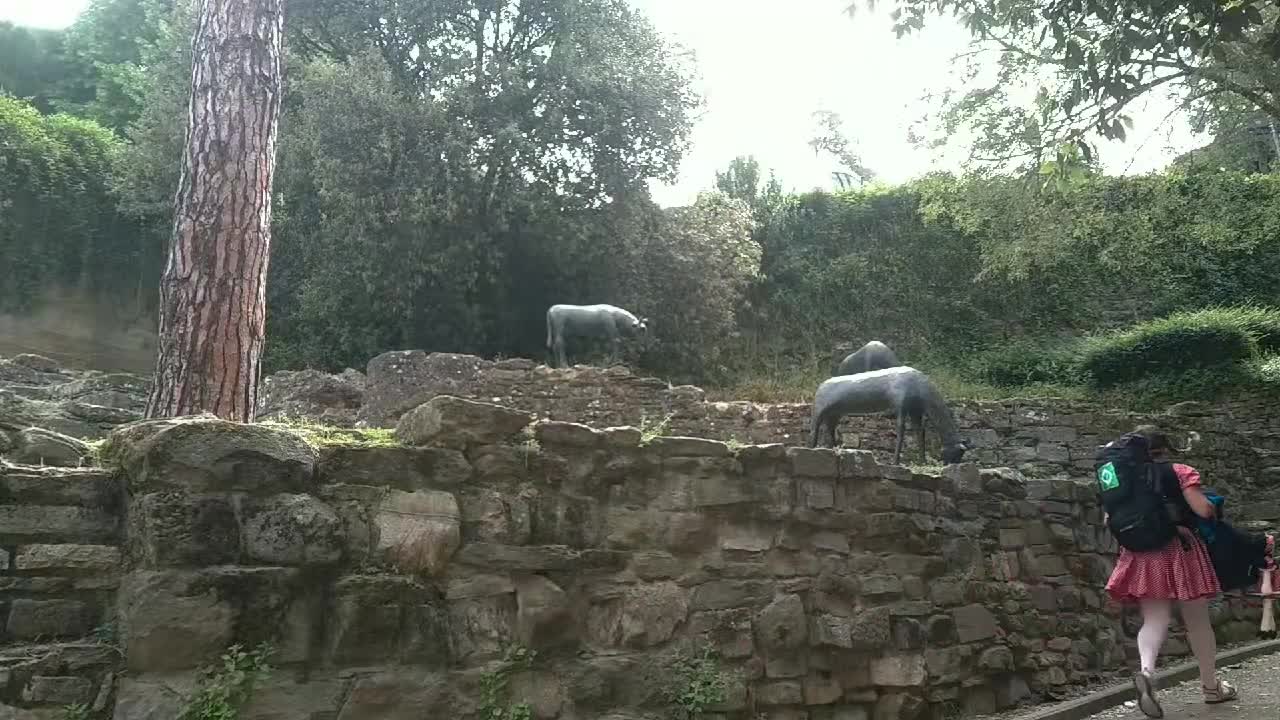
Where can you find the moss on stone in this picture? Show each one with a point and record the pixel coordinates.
(322, 436)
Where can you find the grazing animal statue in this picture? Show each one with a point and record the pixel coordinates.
(902, 391)
(599, 321)
(875, 355)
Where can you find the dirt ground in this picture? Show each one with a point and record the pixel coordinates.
(1257, 680)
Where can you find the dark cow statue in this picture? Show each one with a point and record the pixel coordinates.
(590, 321)
(902, 391)
(875, 355)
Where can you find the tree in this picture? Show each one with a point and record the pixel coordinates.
(213, 292)
(741, 181)
(829, 137)
(1090, 61)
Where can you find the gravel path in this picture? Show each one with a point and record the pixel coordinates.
(1257, 680)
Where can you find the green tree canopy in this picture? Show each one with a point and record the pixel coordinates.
(1090, 61)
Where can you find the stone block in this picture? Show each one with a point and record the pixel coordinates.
(448, 421)
(381, 618)
(813, 462)
(688, 447)
(974, 623)
(492, 517)
(816, 494)
(560, 519)
(37, 446)
(640, 616)
(418, 532)
(56, 523)
(821, 690)
(167, 623)
(57, 690)
(292, 529)
(399, 695)
(899, 706)
(1013, 538)
(543, 614)
(542, 691)
(781, 692)
(281, 697)
(68, 558)
(782, 624)
(511, 558)
(725, 594)
(177, 529)
(32, 619)
(742, 537)
(202, 453)
(996, 660)
(402, 468)
(898, 670)
(153, 696)
(717, 490)
(870, 629)
(566, 434)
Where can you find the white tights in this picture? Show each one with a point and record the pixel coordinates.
(1156, 615)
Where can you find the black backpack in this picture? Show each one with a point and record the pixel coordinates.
(1134, 494)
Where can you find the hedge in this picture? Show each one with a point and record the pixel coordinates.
(1203, 340)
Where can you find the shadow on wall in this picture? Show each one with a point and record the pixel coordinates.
(81, 330)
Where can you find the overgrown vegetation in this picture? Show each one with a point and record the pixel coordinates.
(430, 203)
(495, 703)
(225, 688)
(697, 683)
(319, 435)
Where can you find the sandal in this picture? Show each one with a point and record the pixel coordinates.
(1147, 702)
(1223, 692)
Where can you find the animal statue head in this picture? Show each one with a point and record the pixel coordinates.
(640, 326)
(952, 454)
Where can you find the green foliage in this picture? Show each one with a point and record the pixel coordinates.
(76, 711)
(225, 689)
(320, 436)
(1027, 362)
(742, 181)
(1167, 346)
(696, 685)
(58, 221)
(1092, 60)
(34, 66)
(494, 701)
(650, 430)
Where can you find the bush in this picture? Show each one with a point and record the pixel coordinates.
(1262, 323)
(1178, 343)
(1026, 363)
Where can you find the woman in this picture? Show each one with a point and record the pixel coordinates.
(1181, 571)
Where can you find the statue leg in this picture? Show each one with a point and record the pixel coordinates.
(920, 437)
(902, 429)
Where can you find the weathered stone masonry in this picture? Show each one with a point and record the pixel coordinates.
(59, 569)
(1238, 449)
(390, 578)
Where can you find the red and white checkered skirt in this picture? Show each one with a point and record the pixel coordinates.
(1171, 573)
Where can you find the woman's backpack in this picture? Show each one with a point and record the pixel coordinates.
(1134, 492)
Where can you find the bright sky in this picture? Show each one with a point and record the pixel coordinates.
(767, 66)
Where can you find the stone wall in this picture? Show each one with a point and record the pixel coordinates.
(392, 579)
(1236, 451)
(59, 569)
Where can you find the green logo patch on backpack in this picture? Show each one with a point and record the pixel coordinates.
(1107, 478)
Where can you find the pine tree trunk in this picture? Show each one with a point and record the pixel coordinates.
(213, 292)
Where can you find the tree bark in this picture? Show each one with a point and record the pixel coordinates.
(213, 291)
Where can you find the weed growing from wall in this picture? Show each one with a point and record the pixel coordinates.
(225, 689)
(697, 684)
(494, 700)
(649, 430)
